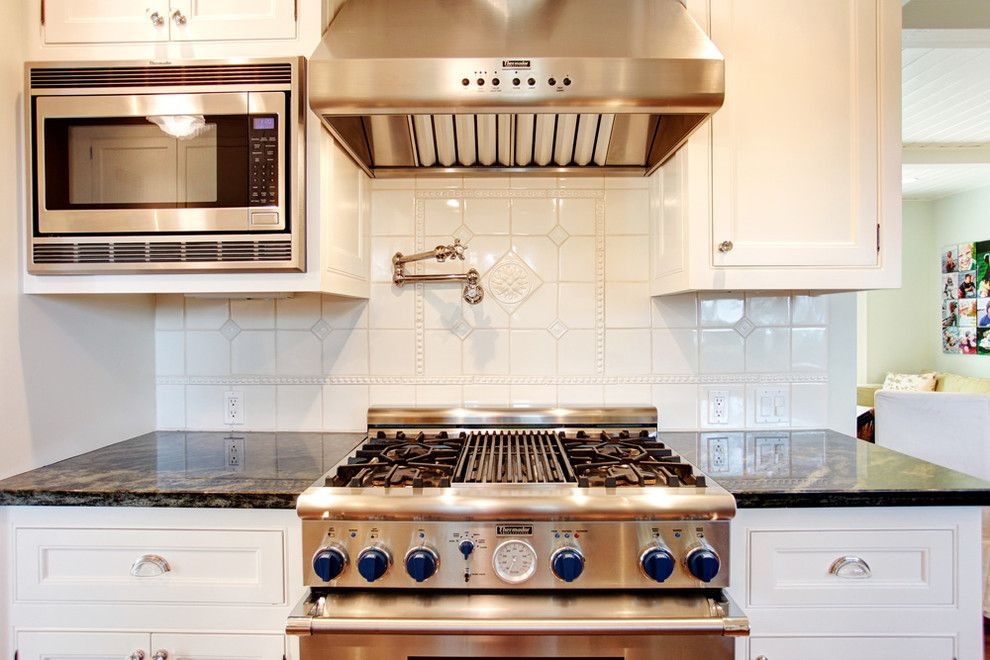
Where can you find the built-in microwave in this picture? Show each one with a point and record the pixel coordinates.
(166, 166)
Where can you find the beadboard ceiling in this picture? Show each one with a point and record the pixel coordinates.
(946, 104)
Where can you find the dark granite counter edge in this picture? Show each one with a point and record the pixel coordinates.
(191, 500)
(824, 500)
(793, 500)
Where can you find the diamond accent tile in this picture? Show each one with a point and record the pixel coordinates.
(557, 329)
(321, 329)
(511, 281)
(463, 234)
(461, 329)
(558, 235)
(744, 327)
(230, 329)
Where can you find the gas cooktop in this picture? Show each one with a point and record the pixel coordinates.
(516, 456)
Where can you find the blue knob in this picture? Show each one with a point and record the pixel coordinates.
(567, 564)
(328, 563)
(703, 564)
(421, 564)
(658, 564)
(466, 548)
(372, 564)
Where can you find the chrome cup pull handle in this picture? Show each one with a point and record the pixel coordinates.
(157, 20)
(850, 568)
(178, 18)
(150, 566)
(160, 654)
(137, 655)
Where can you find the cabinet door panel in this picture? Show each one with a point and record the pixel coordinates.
(795, 147)
(94, 21)
(219, 20)
(851, 648)
(219, 647)
(81, 645)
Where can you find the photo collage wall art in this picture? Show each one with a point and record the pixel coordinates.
(965, 283)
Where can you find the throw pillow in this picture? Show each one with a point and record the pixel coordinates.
(965, 384)
(910, 382)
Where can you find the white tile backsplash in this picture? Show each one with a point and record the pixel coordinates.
(567, 319)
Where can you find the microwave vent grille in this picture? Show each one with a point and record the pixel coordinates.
(162, 252)
(278, 73)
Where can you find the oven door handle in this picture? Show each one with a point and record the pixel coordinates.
(316, 617)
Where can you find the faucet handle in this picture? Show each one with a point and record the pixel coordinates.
(455, 251)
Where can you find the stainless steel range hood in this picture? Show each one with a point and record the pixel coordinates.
(489, 86)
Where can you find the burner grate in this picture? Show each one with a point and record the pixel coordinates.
(514, 457)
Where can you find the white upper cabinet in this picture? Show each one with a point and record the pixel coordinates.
(795, 182)
(126, 21)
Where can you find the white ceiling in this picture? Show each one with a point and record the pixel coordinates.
(946, 102)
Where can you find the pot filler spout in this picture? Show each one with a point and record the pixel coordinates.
(598, 87)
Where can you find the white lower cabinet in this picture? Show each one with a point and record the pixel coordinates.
(131, 646)
(151, 584)
(88, 645)
(851, 648)
(878, 583)
(218, 647)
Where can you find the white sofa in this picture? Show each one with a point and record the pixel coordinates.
(945, 428)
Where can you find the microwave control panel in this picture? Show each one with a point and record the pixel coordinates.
(263, 168)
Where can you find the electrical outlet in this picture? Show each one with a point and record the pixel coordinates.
(718, 454)
(234, 453)
(233, 408)
(772, 405)
(718, 407)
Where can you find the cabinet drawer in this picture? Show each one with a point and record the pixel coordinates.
(851, 648)
(798, 568)
(95, 565)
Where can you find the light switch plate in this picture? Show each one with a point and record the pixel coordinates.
(773, 405)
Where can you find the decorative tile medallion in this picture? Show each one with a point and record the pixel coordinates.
(557, 329)
(744, 327)
(321, 329)
(230, 329)
(461, 329)
(558, 235)
(510, 281)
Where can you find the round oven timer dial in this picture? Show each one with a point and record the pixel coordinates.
(514, 561)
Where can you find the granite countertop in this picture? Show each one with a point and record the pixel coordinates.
(770, 469)
(185, 469)
(763, 469)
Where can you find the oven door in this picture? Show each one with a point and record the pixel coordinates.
(353, 625)
(160, 163)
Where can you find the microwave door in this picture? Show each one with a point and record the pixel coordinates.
(156, 163)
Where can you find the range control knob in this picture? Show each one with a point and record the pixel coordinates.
(657, 563)
(421, 563)
(703, 563)
(466, 547)
(567, 564)
(373, 563)
(329, 562)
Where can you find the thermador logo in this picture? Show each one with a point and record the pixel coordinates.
(513, 530)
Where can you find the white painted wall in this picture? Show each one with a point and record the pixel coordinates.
(958, 219)
(902, 331)
(77, 373)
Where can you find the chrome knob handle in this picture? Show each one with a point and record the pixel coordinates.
(725, 246)
(762, 657)
(160, 654)
(157, 19)
(150, 566)
(137, 655)
(178, 18)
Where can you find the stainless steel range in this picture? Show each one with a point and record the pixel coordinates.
(497, 533)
